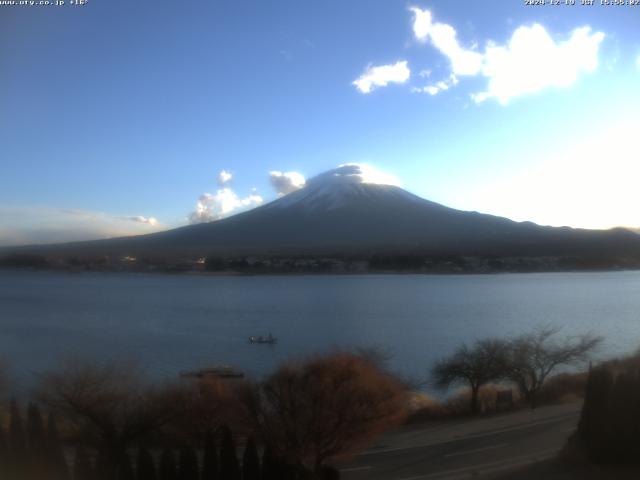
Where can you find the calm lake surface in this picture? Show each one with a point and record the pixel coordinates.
(170, 323)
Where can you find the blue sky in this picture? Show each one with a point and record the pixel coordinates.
(117, 111)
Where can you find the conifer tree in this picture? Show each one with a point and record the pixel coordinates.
(188, 464)
(622, 444)
(18, 462)
(4, 454)
(56, 463)
(35, 430)
(593, 427)
(250, 461)
(17, 442)
(210, 459)
(229, 467)
(585, 424)
(104, 468)
(146, 465)
(82, 468)
(125, 469)
(168, 470)
(269, 465)
(36, 441)
(634, 404)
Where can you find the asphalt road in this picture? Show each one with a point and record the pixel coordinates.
(475, 448)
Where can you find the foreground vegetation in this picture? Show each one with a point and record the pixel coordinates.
(106, 422)
(606, 443)
(36, 453)
(525, 361)
(609, 428)
(116, 426)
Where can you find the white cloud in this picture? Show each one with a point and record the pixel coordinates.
(286, 182)
(214, 207)
(225, 201)
(533, 61)
(381, 76)
(36, 225)
(438, 87)
(638, 62)
(421, 23)
(140, 219)
(444, 38)
(530, 61)
(224, 177)
(365, 174)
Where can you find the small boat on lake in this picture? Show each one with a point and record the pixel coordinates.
(269, 339)
(218, 371)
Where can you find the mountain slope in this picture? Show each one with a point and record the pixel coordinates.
(339, 211)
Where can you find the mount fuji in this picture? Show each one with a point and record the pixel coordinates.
(344, 211)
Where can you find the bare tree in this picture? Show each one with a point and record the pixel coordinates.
(485, 361)
(534, 356)
(5, 378)
(324, 408)
(109, 405)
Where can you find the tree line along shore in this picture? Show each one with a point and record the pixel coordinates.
(325, 263)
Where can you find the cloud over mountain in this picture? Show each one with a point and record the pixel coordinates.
(225, 201)
(141, 219)
(361, 173)
(286, 182)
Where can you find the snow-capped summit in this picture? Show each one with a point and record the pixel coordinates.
(345, 185)
(354, 173)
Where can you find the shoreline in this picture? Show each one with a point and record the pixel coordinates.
(231, 273)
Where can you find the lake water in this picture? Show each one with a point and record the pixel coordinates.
(170, 323)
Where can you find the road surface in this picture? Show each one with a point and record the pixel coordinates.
(473, 448)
